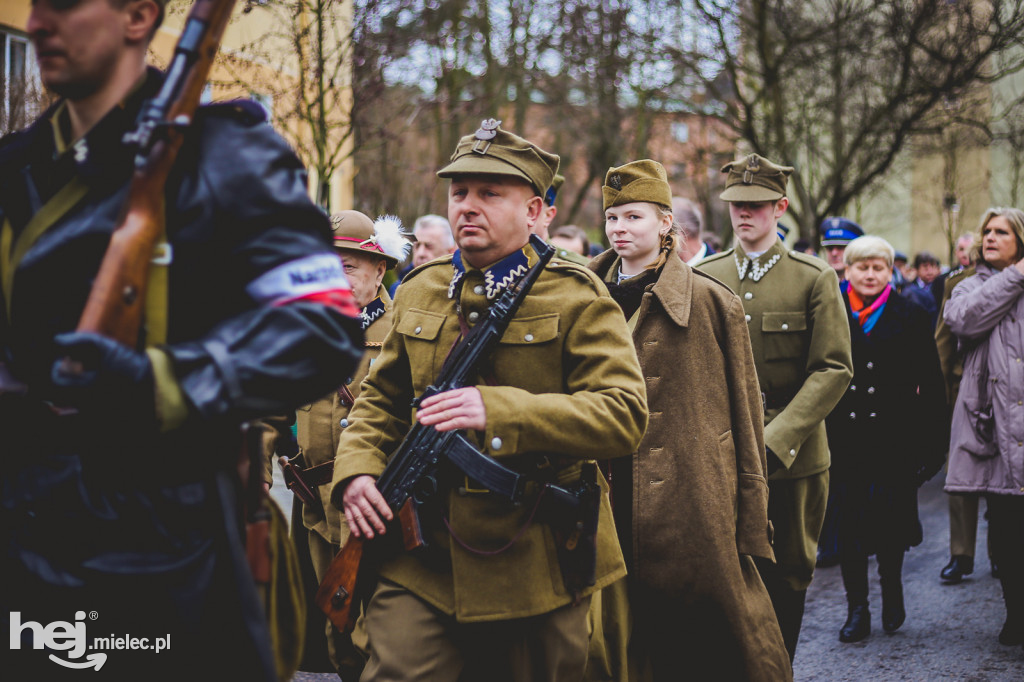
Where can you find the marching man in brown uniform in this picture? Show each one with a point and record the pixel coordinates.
(801, 344)
(367, 249)
(486, 598)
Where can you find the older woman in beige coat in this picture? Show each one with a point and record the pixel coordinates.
(691, 504)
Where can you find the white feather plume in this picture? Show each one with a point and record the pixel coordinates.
(391, 238)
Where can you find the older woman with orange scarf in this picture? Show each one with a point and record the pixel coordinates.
(887, 434)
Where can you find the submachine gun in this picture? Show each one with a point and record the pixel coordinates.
(410, 478)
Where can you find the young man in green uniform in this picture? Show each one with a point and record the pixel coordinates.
(486, 599)
(801, 343)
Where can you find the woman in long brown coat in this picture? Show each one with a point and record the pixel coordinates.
(691, 504)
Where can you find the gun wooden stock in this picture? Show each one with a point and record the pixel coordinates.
(117, 298)
(338, 590)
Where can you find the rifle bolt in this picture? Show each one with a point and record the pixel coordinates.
(129, 294)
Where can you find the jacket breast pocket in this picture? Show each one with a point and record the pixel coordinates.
(421, 332)
(783, 335)
(529, 355)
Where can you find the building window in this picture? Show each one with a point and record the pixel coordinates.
(19, 82)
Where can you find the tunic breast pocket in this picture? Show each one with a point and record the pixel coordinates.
(783, 335)
(421, 331)
(529, 351)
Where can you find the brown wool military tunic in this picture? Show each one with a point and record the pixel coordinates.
(565, 387)
(319, 426)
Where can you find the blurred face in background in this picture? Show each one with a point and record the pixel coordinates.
(432, 241)
(834, 256)
(868, 277)
(928, 272)
(963, 250)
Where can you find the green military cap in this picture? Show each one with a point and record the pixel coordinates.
(644, 180)
(493, 151)
(354, 231)
(755, 178)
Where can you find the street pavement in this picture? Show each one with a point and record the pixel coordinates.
(950, 632)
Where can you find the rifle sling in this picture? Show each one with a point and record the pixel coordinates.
(486, 470)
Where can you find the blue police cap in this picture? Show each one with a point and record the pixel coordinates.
(839, 231)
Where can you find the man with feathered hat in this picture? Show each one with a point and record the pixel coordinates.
(367, 249)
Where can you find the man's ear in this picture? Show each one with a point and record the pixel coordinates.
(140, 18)
(534, 206)
(780, 207)
(382, 267)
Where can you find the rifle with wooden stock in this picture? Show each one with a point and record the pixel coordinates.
(409, 479)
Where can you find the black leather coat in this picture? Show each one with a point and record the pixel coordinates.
(146, 531)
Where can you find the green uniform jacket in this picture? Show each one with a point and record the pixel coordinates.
(564, 386)
(801, 343)
(319, 426)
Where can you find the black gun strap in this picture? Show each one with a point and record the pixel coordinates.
(486, 470)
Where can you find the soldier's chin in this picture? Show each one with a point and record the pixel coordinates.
(73, 91)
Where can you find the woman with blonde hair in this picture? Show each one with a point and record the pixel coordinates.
(887, 434)
(691, 504)
(986, 451)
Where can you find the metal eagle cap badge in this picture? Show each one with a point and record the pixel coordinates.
(488, 129)
(615, 181)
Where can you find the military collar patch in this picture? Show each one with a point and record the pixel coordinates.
(505, 273)
(753, 267)
(497, 278)
(457, 275)
(371, 312)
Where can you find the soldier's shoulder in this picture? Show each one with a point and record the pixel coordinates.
(717, 263)
(812, 262)
(715, 258)
(579, 274)
(711, 283)
(439, 267)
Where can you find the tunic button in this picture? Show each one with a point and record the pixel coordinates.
(853, 415)
(871, 389)
(785, 326)
(852, 387)
(495, 443)
(474, 316)
(417, 330)
(747, 318)
(748, 295)
(478, 289)
(870, 365)
(528, 337)
(792, 451)
(343, 423)
(872, 415)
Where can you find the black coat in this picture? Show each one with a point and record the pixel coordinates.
(145, 531)
(891, 424)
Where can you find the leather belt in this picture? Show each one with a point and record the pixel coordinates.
(302, 482)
